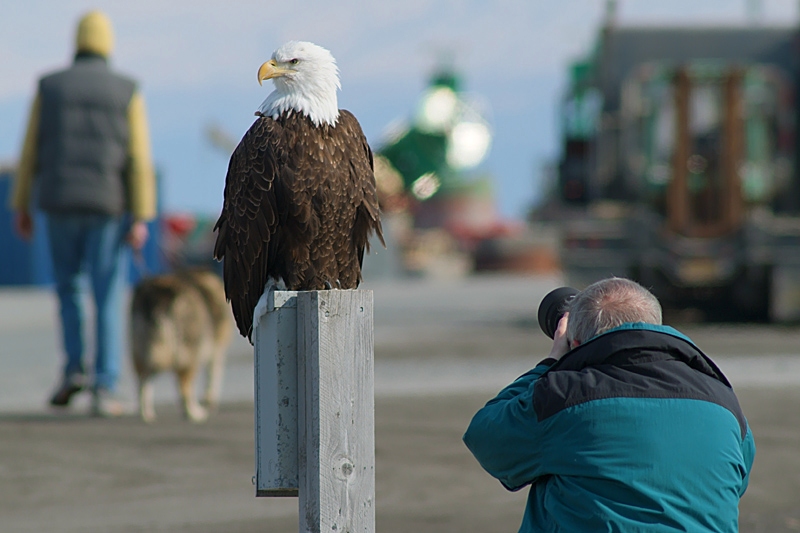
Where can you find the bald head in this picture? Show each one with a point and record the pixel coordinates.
(607, 304)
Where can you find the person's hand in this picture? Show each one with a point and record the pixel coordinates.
(138, 235)
(560, 344)
(23, 223)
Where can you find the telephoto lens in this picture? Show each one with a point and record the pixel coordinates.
(553, 307)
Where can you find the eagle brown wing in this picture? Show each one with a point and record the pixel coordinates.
(362, 177)
(300, 206)
(249, 218)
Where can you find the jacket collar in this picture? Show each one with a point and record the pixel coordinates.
(639, 343)
(90, 57)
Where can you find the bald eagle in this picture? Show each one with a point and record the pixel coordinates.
(300, 199)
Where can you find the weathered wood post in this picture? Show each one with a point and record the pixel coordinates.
(275, 345)
(334, 430)
(336, 407)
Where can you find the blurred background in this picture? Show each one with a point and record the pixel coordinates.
(520, 145)
(631, 138)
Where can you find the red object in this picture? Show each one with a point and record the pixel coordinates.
(179, 224)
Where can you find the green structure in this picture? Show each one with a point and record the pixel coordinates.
(679, 167)
(446, 138)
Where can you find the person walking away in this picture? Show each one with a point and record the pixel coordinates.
(86, 165)
(626, 426)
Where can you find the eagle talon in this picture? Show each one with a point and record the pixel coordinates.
(271, 297)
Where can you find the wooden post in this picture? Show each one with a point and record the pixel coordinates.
(336, 408)
(315, 403)
(276, 419)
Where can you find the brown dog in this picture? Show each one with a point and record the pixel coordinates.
(180, 322)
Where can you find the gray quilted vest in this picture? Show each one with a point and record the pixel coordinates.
(83, 139)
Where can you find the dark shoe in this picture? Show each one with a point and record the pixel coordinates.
(68, 388)
(106, 405)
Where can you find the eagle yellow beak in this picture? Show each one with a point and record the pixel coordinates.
(270, 70)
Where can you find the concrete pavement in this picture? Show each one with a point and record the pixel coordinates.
(442, 349)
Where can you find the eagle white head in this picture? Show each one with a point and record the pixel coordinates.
(306, 79)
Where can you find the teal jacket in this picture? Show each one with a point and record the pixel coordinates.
(635, 430)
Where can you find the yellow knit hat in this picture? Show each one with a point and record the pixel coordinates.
(95, 34)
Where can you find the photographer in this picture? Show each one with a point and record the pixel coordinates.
(626, 426)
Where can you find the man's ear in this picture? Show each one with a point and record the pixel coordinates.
(574, 344)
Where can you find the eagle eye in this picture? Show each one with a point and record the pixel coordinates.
(294, 61)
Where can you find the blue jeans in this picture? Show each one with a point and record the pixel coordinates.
(94, 244)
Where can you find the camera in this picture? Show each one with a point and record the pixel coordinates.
(553, 307)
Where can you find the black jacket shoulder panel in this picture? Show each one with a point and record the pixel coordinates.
(633, 364)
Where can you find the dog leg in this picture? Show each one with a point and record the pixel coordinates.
(191, 408)
(146, 406)
(214, 374)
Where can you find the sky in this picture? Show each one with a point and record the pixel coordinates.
(196, 63)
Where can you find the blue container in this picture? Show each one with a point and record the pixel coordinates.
(28, 263)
